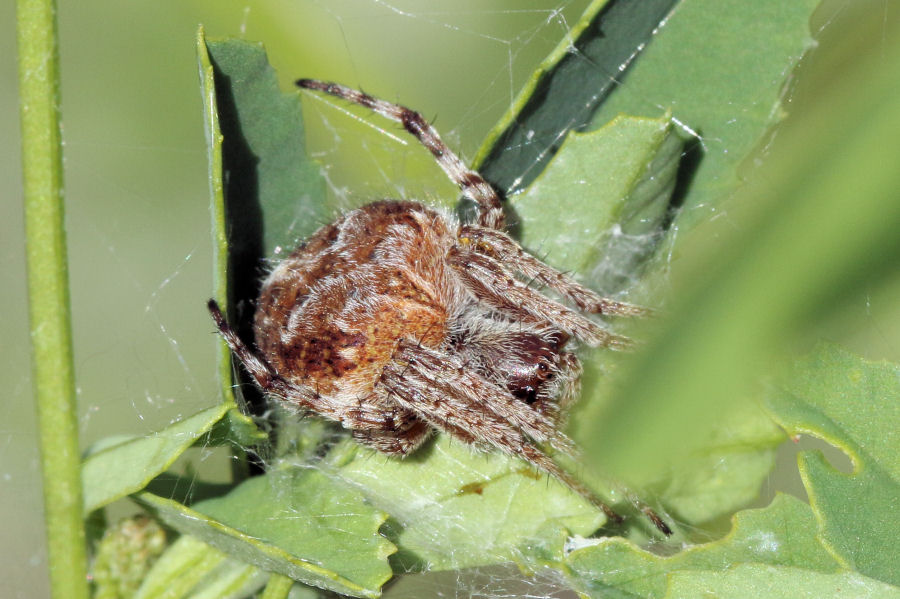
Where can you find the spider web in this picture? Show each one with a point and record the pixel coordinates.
(366, 158)
(143, 358)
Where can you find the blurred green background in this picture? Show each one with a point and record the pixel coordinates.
(136, 186)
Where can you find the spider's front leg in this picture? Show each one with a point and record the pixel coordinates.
(491, 283)
(435, 385)
(473, 185)
(502, 247)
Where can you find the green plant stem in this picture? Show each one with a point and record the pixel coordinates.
(48, 296)
(278, 587)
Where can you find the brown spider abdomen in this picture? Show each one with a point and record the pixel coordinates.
(331, 314)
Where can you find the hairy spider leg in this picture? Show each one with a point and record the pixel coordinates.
(436, 364)
(421, 379)
(491, 283)
(261, 372)
(499, 245)
(472, 184)
(411, 380)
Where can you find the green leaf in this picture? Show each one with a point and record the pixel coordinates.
(566, 89)
(780, 534)
(266, 193)
(721, 69)
(452, 507)
(599, 187)
(814, 227)
(854, 405)
(119, 470)
(237, 428)
(724, 471)
(184, 564)
(776, 582)
(191, 568)
(227, 154)
(296, 522)
(272, 188)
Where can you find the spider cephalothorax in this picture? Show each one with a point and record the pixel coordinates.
(396, 320)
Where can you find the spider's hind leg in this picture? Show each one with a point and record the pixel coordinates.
(470, 182)
(267, 379)
(260, 371)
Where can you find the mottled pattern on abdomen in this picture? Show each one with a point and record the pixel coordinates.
(332, 312)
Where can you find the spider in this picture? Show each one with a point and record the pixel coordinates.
(397, 320)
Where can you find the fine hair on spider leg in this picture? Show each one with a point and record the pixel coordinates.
(396, 320)
(471, 183)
